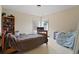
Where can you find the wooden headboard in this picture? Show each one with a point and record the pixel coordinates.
(40, 30)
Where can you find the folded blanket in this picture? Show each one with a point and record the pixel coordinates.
(66, 39)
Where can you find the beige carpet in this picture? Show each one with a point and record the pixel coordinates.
(51, 48)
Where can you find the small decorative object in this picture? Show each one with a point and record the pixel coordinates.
(34, 31)
(3, 14)
(17, 33)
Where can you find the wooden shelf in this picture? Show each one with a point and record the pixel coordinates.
(8, 23)
(10, 50)
(8, 26)
(6, 17)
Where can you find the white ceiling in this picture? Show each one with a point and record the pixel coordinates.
(38, 11)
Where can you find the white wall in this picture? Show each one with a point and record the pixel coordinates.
(23, 22)
(0, 17)
(0, 22)
(64, 21)
(77, 40)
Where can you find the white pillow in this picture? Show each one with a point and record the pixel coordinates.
(17, 33)
(34, 32)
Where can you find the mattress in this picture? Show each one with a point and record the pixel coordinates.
(29, 36)
(27, 42)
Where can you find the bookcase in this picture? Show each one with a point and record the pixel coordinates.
(8, 26)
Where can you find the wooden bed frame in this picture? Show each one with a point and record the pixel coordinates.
(11, 49)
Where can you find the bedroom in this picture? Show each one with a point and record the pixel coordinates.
(60, 18)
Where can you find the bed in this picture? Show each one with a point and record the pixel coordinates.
(27, 42)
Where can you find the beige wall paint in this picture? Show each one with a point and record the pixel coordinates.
(61, 21)
(0, 21)
(64, 21)
(77, 40)
(0, 17)
(23, 22)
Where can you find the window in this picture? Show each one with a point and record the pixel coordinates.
(44, 23)
(40, 23)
